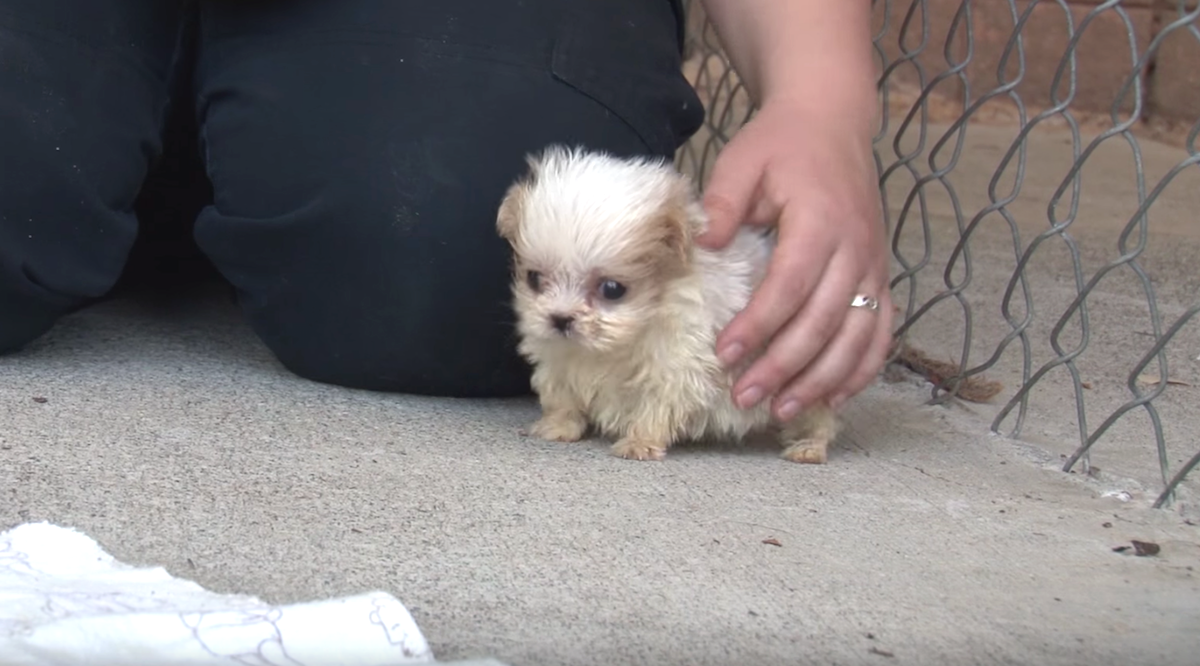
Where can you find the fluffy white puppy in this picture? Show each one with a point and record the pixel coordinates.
(618, 310)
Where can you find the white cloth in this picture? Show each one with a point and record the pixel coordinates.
(65, 601)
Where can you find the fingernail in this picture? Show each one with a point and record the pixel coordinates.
(749, 397)
(730, 354)
(789, 410)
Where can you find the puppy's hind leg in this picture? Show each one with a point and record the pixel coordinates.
(806, 438)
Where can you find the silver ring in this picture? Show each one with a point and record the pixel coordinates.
(864, 301)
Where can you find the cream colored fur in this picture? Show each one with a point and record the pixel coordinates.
(641, 369)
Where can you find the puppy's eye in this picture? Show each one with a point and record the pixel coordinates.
(612, 290)
(534, 280)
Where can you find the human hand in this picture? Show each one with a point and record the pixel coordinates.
(811, 174)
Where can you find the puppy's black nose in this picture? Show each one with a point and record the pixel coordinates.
(561, 323)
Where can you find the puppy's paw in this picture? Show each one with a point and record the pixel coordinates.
(559, 427)
(806, 438)
(634, 448)
(808, 451)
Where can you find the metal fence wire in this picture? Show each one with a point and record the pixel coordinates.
(1041, 192)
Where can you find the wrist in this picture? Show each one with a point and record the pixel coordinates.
(842, 100)
(823, 108)
(839, 80)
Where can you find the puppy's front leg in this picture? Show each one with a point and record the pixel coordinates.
(655, 422)
(560, 424)
(646, 439)
(561, 420)
(641, 447)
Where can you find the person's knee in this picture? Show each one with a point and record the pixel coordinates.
(366, 291)
(78, 127)
(60, 246)
(375, 324)
(407, 346)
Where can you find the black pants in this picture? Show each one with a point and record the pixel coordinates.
(352, 155)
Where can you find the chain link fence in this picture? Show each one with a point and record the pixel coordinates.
(1041, 187)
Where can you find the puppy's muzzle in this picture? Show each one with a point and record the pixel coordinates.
(562, 323)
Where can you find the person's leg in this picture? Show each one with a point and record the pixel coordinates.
(83, 89)
(359, 150)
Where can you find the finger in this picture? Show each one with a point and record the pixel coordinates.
(791, 276)
(730, 194)
(803, 338)
(873, 361)
(830, 369)
(850, 355)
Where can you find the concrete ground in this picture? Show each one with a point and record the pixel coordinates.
(169, 434)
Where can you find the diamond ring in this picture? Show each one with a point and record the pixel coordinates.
(864, 301)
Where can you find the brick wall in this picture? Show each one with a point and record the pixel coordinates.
(1109, 44)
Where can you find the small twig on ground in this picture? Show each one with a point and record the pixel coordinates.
(1149, 379)
(942, 373)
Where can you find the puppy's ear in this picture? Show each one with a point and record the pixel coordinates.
(678, 225)
(512, 209)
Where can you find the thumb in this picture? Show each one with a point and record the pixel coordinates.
(728, 196)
